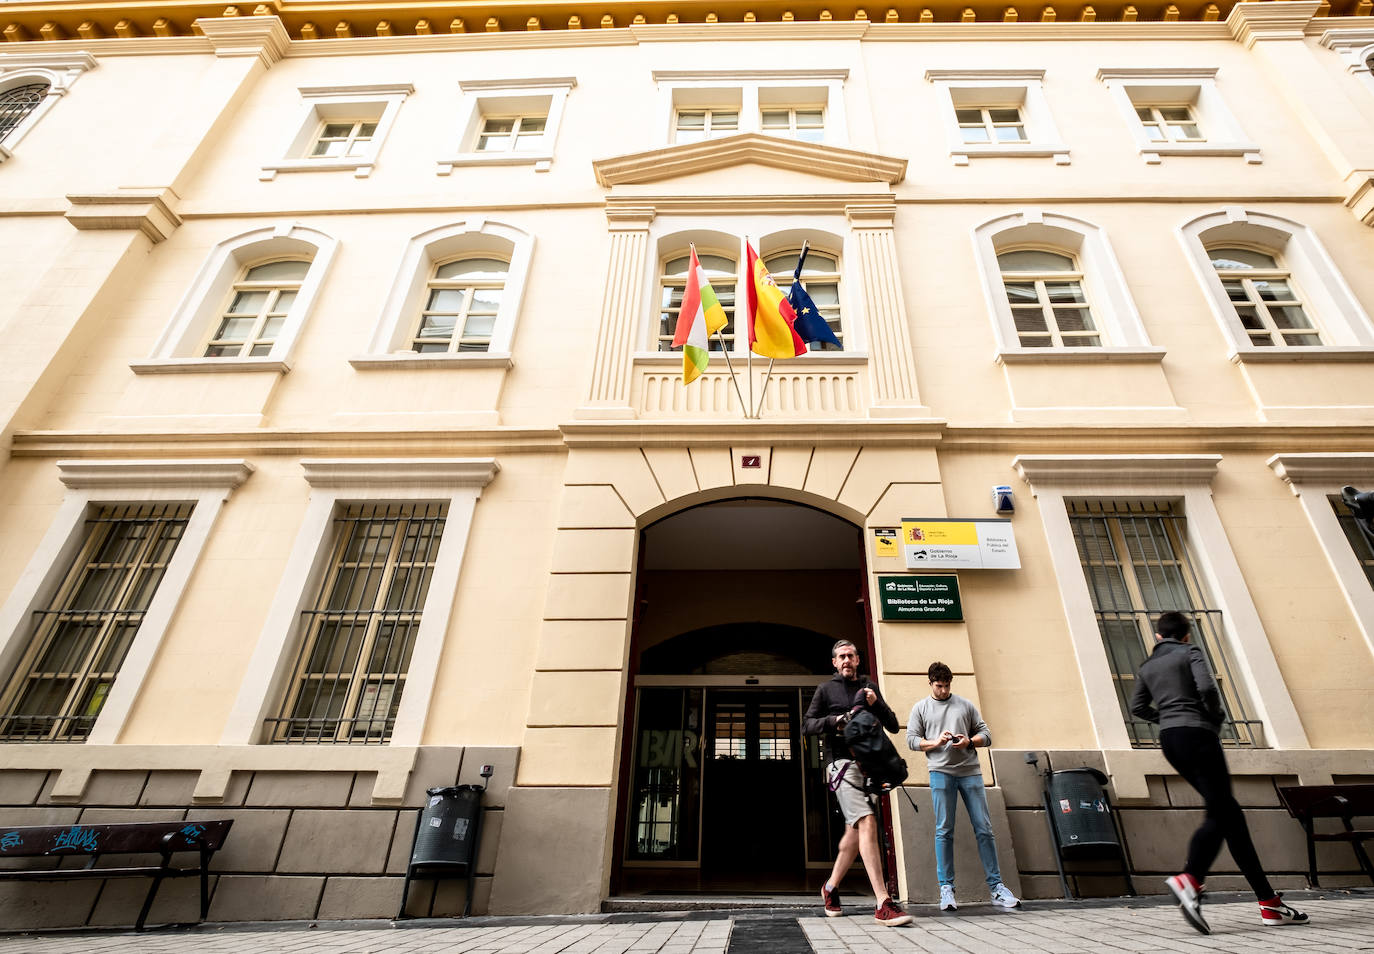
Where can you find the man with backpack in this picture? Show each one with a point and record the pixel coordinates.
(949, 730)
(826, 716)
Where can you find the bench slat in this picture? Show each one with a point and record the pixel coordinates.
(132, 838)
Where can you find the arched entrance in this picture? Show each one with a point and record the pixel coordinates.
(737, 604)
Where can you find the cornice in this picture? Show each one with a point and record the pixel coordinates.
(1328, 469)
(1342, 40)
(269, 442)
(347, 473)
(849, 433)
(546, 82)
(670, 162)
(261, 36)
(957, 76)
(636, 209)
(151, 211)
(346, 27)
(746, 76)
(1115, 73)
(1271, 20)
(172, 474)
(1117, 468)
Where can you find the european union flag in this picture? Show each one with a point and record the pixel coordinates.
(810, 326)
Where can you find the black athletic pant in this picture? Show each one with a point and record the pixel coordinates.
(1196, 754)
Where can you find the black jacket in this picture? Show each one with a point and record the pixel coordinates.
(833, 699)
(1175, 688)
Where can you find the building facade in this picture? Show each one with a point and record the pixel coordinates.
(346, 451)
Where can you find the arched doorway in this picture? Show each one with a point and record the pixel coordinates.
(737, 605)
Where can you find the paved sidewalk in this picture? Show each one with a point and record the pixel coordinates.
(1341, 921)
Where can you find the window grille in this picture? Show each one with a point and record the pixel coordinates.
(357, 638)
(1364, 552)
(17, 103)
(79, 641)
(1137, 566)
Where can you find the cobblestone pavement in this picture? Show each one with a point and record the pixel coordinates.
(1341, 921)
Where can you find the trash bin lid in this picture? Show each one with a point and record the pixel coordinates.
(451, 791)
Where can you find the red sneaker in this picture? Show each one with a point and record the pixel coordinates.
(891, 914)
(1187, 893)
(830, 897)
(1275, 913)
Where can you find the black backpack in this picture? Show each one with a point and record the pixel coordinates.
(878, 759)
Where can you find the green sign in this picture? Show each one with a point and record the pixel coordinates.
(920, 598)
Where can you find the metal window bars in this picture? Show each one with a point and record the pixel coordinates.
(17, 103)
(78, 642)
(1136, 564)
(357, 639)
(1364, 551)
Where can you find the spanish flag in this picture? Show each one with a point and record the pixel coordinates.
(700, 317)
(771, 318)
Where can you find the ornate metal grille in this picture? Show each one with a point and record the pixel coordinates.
(1358, 542)
(17, 103)
(80, 640)
(358, 637)
(1137, 566)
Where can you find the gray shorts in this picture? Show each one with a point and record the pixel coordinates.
(854, 804)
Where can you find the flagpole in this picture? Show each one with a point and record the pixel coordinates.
(764, 393)
(733, 378)
(750, 329)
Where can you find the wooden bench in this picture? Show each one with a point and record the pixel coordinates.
(135, 838)
(1307, 803)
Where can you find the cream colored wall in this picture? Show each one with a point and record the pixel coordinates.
(1325, 662)
(1027, 675)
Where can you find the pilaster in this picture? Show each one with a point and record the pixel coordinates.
(609, 394)
(1275, 33)
(892, 366)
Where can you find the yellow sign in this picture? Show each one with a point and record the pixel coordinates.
(885, 542)
(950, 544)
(946, 532)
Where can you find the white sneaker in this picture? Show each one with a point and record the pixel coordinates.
(947, 898)
(1003, 898)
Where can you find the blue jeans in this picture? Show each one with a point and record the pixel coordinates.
(944, 793)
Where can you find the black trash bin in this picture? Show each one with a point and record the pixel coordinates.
(1080, 811)
(1082, 823)
(446, 837)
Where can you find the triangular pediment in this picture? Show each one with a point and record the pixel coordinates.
(672, 162)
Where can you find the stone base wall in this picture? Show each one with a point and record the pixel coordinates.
(305, 845)
(1157, 829)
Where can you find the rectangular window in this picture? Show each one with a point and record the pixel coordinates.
(80, 640)
(1137, 566)
(512, 134)
(1360, 542)
(358, 637)
(1169, 123)
(801, 123)
(340, 140)
(697, 125)
(990, 124)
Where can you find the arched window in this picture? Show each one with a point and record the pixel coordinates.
(1048, 307)
(720, 272)
(258, 307)
(17, 103)
(1263, 296)
(462, 303)
(820, 278)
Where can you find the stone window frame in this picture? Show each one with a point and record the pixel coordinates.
(484, 97)
(750, 91)
(458, 482)
(727, 235)
(192, 321)
(1123, 334)
(1186, 478)
(1313, 478)
(206, 484)
(59, 70)
(1328, 299)
(1024, 89)
(1355, 47)
(1130, 87)
(390, 344)
(320, 104)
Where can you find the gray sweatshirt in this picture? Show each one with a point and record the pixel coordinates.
(1175, 688)
(930, 718)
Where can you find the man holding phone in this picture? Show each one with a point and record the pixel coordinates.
(949, 730)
